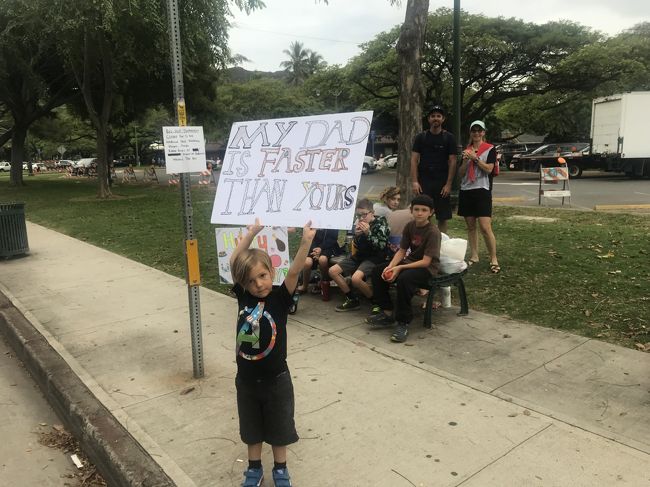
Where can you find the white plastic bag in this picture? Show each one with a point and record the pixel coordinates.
(452, 255)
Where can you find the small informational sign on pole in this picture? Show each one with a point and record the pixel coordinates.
(272, 240)
(290, 170)
(184, 149)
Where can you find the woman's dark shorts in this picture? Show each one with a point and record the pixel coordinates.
(266, 410)
(475, 202)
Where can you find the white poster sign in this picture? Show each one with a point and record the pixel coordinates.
(184, 149)
(291, 170)
(272, 240)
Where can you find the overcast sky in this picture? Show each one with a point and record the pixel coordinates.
(336, 30)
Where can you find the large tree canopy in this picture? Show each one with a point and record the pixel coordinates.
(501, 60)
(32, 82)
(117, 51)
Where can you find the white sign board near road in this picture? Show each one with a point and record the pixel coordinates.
(184, 149)
(290, 170)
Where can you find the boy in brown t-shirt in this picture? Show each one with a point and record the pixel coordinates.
(410, 271)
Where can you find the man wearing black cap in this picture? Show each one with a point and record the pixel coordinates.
(433, 165)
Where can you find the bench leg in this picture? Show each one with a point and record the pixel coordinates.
(427, 309)
(462, 296)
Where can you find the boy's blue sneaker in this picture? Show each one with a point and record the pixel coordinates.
(380, 320)
(281, 477)
(294, 306)
(253, 477)
(401, 333)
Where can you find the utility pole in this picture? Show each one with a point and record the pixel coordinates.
(456, 99)
(191, 245)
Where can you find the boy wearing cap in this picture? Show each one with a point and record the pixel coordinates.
(433, 165)
(417, 259)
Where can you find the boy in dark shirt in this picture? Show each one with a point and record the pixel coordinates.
(264, 390)
(410, 271)
(371, 235)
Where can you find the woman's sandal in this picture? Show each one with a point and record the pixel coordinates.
(495, 268)
(471, 262)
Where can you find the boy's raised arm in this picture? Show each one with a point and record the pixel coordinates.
(291, 280)
(246, 240)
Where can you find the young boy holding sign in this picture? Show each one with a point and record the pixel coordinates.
(409, 270)
(265, 399)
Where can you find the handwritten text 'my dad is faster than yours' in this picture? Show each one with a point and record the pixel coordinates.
(311, 157)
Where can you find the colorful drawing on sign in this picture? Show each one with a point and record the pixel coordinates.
(273, 240)
(551, 174)
(288, 171)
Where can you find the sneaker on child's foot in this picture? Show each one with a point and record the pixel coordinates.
(281, 477)
(349, 304)
(380, 320)
(400, 333)
(253, 477)
(376, 310)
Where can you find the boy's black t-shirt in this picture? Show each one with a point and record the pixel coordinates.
(261, 344)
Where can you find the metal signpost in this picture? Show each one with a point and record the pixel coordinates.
(191, 246)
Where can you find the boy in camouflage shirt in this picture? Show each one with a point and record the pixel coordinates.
(369, 248)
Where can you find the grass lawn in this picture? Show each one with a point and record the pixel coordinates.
(586, 272)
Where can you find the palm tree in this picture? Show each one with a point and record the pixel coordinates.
(298, 64)
(315, 62)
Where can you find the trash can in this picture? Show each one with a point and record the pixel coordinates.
(13, 231)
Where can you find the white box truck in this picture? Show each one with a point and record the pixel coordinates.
(618, 133)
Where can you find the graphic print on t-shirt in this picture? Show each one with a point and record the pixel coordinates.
(250, 332)
(416, 241)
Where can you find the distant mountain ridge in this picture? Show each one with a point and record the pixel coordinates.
(241, 75)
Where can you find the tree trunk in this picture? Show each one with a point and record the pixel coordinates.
(103, 190)
(409, 47)
(17, 155)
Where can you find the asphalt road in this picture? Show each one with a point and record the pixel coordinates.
(593, 189)
(24, 414)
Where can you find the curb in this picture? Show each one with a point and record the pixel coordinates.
(119, 458)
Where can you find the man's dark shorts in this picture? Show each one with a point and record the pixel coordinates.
(442, 206)
(266, 410)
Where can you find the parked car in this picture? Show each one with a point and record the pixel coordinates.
(5, 166)
(63, 163)
(369, 164)
(549, 153)
(505, 152)
(390, 161)
(516, 163)
(215, 164)
(86, 162)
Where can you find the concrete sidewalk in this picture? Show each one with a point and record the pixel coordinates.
(476, 401)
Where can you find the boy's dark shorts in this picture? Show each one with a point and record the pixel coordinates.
(442, 206)
(475, 202)
(349, 266)
(266, 410)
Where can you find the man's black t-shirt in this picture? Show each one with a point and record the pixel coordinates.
(262, 333)
(434, 150)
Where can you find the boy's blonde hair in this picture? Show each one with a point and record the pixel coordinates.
(245, 261)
